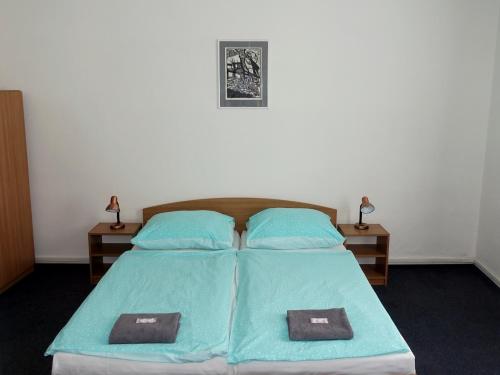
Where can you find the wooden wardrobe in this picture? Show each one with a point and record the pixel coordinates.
(16, 229)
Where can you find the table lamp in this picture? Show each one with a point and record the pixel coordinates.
(365, 208)
(113, 206)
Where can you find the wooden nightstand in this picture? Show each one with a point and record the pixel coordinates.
(375, 273)
(98, 249)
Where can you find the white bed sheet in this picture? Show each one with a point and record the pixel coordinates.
(77, 364)
(391, 364)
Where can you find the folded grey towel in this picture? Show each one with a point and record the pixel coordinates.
(145, 328)
(330, 324)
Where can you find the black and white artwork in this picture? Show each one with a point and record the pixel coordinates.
(242, 74)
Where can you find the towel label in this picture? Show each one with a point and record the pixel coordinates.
(319, 320)
(145, 320)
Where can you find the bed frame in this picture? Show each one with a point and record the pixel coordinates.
(239, 208)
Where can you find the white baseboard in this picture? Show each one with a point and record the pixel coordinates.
(59, 259)
(394, 260)
(488, 272)
(431, 260)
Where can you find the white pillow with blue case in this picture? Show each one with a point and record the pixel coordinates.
(291, 228)
(206, 230)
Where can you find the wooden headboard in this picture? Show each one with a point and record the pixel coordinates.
(239, 208)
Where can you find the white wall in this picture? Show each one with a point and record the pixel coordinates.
(488, 247)
(387, 98)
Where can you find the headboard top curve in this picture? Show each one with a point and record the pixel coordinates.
(239, 208)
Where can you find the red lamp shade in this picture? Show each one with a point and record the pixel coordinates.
(113, 206)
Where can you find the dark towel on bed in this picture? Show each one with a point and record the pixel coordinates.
(145, 328)
(330, 324)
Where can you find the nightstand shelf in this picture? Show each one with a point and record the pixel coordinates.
(373, 273)
(99, 249)
(109, 249)
(376, 273)
(367, 250)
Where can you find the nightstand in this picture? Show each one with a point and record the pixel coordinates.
(376, 273)
(99, 249)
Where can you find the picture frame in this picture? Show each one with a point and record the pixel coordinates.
(243, 73)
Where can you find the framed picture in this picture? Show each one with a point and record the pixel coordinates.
(243, 74)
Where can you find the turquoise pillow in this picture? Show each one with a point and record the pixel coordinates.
(208, 230)
(291, 228)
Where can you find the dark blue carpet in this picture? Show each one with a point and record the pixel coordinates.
(449, 315)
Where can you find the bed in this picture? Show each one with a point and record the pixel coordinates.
(271, 281)
(214, 360)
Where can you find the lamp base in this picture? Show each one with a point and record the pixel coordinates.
(116, 226)
(361, 226)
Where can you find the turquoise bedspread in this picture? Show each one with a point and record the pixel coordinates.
(200, 285)
(270, 282)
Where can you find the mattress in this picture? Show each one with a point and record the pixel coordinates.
(77, 364)
(261, 276)
(392, 364)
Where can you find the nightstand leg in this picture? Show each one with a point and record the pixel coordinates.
(382, 264)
